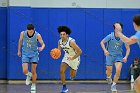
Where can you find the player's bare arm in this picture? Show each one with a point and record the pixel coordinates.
(39, 38)
(106, 53)
(20, 43)
(127, 53)
(76, 48)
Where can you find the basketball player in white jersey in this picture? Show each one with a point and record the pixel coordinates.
(71, 57)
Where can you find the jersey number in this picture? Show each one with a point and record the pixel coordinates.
(67, 51)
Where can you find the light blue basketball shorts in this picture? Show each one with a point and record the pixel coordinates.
(110, 59)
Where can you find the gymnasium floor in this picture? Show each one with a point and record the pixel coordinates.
(73, 88)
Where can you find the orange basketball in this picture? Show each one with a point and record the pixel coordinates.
(55, 53)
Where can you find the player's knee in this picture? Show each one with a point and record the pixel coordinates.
(118, 71)
(108, 70)
(117, 74)
(33, 72)
(72, 75)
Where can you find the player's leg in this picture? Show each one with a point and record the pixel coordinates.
(63, 69)
(25, 61)
(74, 67)
(132, 77)
(118, 66)
(25, 68)
(34, 76)
(72, 74)
(137, 85)
(109, 63)
(34, 60)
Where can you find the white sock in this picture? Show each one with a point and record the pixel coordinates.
(33, 84)
(113, 84)
(132, 77)
(109, 76)
(29, 74)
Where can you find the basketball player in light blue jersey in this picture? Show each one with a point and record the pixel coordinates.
(113, 52)
(71, 57)
(28, 42)
(132, 40)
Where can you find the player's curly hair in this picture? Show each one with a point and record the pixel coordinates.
(64, 29)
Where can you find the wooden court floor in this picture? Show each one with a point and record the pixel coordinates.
(73, 88)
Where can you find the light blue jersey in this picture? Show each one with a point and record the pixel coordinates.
(114, 44)
(137, 36)
(29, 45)
(114, 47)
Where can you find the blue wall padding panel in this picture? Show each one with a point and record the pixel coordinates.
(76, 21)
(18, 18)
(3, 29)
(89, 26)
(94, 34)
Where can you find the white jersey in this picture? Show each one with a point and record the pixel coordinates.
(69, 52)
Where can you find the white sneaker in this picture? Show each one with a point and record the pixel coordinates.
(113, 88)
(33, 87)
(28, 79)
(109, 80)
(33, 91)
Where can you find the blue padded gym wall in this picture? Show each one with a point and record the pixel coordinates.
(89, 26)
(3, 29)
